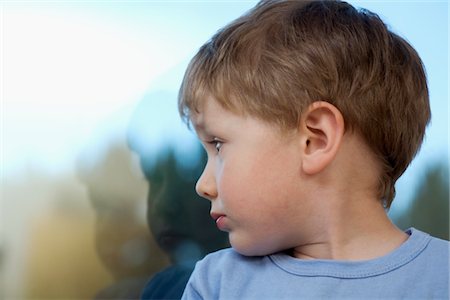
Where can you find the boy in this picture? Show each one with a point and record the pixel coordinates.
(309, 113)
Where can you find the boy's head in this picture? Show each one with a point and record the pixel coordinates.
(282, 56)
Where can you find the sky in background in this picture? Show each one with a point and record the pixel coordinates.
(73, 74)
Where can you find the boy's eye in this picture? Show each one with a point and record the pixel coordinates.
(217, 144)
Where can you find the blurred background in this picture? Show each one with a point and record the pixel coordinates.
(97, 170)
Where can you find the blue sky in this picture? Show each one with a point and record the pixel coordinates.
(73, 73)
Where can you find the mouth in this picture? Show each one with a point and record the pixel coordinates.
(167, 235)
(220, 220)
(216, 216)
(168, 240)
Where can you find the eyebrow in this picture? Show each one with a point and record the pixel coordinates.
(202, 130)
(199, 123)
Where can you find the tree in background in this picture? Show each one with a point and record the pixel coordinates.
(429, 210)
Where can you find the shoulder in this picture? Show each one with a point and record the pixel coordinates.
(227, 261)
(432, 246)
(437, 244)
(431, 266)
(222, 269)
(423, 246)
(224, 255)
(437, 253)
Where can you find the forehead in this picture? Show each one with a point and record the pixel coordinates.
(197, 120)
(208, 111)
(212, 118)
(210, 101)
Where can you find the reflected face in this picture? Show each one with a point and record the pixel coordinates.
(252, 179)
(178, 217)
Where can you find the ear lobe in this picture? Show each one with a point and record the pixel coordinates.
(322, 128)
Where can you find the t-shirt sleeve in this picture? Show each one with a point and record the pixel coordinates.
(192, 289)
(206, 281)
(190, 292)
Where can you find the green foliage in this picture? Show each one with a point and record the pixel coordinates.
(429, 210)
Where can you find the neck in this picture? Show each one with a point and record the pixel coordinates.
(360, 231)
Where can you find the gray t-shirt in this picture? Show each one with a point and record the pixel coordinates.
(418, 269)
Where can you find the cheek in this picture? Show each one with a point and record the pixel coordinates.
(266, 176)
(235, 182)
(251, 181)
(229, 182)
(274, 172)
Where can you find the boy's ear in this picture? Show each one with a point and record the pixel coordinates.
(322, 128)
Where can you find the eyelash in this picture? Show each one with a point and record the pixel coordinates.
(217, 144)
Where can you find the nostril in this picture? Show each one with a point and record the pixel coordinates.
(204, 191)
(204, 194)
(208, 196)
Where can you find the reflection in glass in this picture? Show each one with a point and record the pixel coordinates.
(178, 218)
(122, 239)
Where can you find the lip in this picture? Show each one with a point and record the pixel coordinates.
(220, 220)
(215, 215)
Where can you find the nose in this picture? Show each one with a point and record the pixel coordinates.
(206, 184)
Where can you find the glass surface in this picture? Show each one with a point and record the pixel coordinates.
(97, 169)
